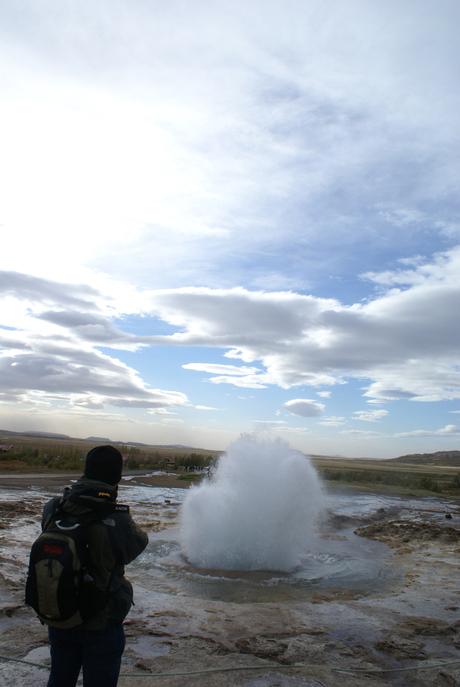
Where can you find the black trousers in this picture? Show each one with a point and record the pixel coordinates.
(98, 652)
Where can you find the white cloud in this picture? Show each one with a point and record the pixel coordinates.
(214, 368)
(49, 352)
(440, 271)
(243, 377)
(83, 372)
(324, 394)
(38, 418)
(248, 382)
(182, 122)
(405, 342)
(448, 430)
(304, 407)
(370, 415)
(268, 424)
(332, 421)
(293, 431)
(359, 433)
(45, 291)
(246, 377)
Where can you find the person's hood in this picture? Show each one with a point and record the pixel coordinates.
(89, 495)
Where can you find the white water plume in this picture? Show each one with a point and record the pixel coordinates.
(257, 512)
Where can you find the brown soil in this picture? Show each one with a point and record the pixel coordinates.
(56, 481)
(396, 533)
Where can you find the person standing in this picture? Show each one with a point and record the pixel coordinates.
(114, 541)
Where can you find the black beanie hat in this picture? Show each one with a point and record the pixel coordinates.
(104, 463)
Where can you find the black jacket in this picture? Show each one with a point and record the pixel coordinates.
(114, 541)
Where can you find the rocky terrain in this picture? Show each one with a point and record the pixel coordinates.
(404, 632)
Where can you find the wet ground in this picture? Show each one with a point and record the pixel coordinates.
(377, 591)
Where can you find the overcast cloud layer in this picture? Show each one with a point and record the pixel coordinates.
(218, 218)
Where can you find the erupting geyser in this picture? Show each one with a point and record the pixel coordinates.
(258, 511)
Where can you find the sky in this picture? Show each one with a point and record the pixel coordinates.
(221, 218)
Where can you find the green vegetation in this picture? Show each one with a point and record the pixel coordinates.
(136, 461)
(393, 478)
(193, 477)
(415, 474)
(32, 454)
(438, 458)
(66, 458)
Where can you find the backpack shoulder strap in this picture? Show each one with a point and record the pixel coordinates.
(54, 509)
(51, 511)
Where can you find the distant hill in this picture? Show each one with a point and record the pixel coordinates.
(181, 446)
(99, 440)
(139, 443)
(41, 435)
(439, 458)
(104, 439)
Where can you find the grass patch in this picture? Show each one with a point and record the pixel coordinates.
(192, 478)
(18, 466)
(379, 476)
(68, 455)
(376, 488)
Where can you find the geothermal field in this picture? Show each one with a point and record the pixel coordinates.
(262, 577)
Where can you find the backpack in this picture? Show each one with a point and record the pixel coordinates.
(60, 587)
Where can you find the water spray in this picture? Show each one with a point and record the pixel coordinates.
(256, 513)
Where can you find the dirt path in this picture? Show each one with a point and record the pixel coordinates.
(56, 482)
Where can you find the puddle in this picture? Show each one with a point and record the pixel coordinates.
(352, 566)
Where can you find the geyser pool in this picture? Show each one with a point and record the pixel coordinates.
(256, 513)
